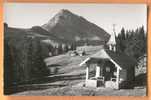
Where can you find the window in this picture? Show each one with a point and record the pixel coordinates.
(108, 69)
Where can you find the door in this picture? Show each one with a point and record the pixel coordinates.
(108, 70)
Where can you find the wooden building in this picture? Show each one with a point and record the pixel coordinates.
(112, 69)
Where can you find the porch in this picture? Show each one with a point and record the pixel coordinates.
(106, 74)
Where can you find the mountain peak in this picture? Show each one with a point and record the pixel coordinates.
(64, 11)
(61, 17)
(69, 26)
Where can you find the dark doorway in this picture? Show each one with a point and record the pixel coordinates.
(108, 70)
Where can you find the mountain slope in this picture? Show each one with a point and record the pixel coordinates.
(17, 34)
(68, 26)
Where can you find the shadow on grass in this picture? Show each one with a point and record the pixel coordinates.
(141, 80)
(42, 83)
(16, 89)
(54, 65)
(56, 78)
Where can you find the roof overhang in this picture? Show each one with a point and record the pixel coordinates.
(89, 58)
(84, 62)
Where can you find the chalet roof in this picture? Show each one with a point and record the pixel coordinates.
(102, 54)
(121, 59)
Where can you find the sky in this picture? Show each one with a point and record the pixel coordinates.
(26, 15)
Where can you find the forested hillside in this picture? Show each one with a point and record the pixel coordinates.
(132, 42)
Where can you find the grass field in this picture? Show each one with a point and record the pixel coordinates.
(68, 80)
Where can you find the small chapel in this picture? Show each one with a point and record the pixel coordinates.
(112, 69)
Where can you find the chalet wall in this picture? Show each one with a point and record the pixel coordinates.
(123, 74)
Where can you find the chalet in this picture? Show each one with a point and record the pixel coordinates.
(112, 69)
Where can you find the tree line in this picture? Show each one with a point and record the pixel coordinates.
(24, 61)
(62, 48)
(132, 42)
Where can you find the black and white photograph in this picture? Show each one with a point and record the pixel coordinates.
(81, 49)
